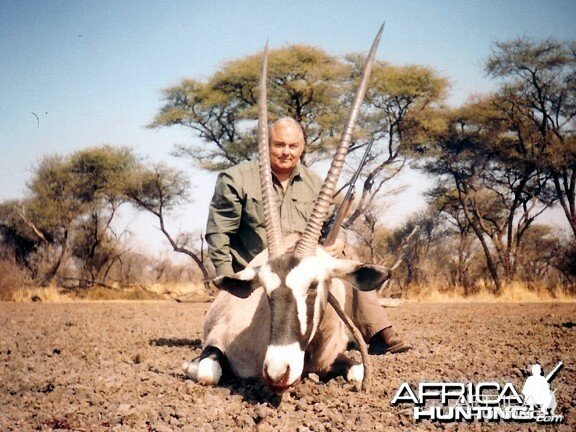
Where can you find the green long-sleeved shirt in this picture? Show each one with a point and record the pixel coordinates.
(235, 231)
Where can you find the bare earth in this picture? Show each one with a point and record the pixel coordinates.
(116, 366)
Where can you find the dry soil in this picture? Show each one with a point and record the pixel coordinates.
(116, 366)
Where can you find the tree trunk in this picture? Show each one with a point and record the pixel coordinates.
(49, 276)
(567, 196)
(489, 260)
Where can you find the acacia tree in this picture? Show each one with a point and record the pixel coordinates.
(444, 202)
(71, 208)
(537, 260)
(71, 197)
(305, 83)
(403, 108)
(499, 188)
(538, 97)
(564, 260)
(98, 176)
(399, 110)
(157, 190)
(51, 210)
(19, 235)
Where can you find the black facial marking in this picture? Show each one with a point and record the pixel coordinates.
(285, 327)
(284, 324)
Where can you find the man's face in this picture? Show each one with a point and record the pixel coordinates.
(286, 146)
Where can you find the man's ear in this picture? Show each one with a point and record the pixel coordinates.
(365, 277)
(240, 284)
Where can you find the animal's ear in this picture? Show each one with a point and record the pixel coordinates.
(240, 284)
(365, 277)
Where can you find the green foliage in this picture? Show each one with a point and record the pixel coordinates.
(314, 88)
(406, 103)
(538, 98)
(95, 247)
(63, 189)
(100, 172)
(72, 205)
(15, 234)
(495, 181)
(70, 197)
(566, 261)
(157, 188)
(305, 83)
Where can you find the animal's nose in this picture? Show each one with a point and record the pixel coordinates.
(277, 383)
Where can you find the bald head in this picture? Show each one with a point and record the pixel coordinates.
(286, 141)
(287, 123)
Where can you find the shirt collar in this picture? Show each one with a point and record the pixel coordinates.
(296, 171)
(295, 175)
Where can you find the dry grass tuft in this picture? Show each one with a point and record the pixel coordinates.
(514, 292)
(103, 294)
(13, 279)
(191, 292)
(186, 292)
(43, 294)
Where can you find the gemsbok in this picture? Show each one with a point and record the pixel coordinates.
(271, 320)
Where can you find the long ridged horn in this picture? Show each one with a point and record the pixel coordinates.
(307, 244)
(366, 381)
(271, 217)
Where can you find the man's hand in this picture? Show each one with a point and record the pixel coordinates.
(337, 248)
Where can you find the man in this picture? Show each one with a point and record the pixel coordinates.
(235, 232)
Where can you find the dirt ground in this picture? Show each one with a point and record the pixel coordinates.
(116, 366)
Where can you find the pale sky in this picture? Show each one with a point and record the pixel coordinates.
(93, 71)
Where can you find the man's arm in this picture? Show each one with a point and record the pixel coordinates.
(223, 222)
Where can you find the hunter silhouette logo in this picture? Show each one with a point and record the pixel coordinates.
(485, 401)
(537, 392)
